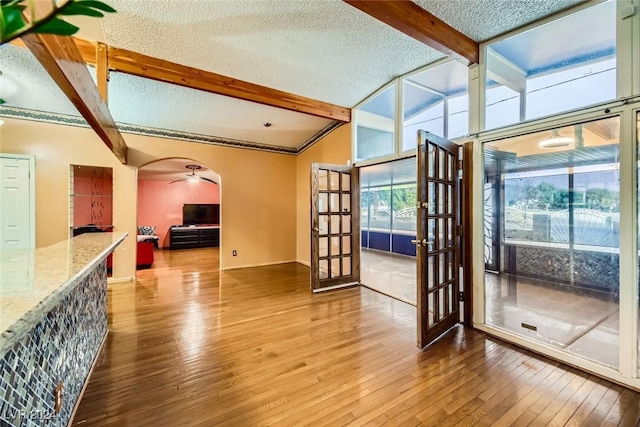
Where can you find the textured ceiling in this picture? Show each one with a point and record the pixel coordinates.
(140, 101)
(321, 49)
(484, 19)
(25, 84)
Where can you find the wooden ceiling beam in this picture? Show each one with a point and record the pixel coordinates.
(141, 65)
(137, 64)
(87, 49)
(63, 61)
(412, 20)
(102, 71)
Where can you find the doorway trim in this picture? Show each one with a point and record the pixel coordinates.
(220, 196)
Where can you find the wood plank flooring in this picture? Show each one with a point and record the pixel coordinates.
(191, 346)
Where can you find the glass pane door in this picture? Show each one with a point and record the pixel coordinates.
(437, 237)
(335, 235)
(555, 199)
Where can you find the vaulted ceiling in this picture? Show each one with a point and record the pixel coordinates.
(325, 50)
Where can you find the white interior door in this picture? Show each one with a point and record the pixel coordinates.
(17, 229)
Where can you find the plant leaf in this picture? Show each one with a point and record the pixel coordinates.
(78, 9)
(12, 20)
(11, 3)
(2, 101)
(97, 5)
(57, 26)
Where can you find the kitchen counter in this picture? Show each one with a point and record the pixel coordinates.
(53, 318)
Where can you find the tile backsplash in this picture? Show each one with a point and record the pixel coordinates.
(59, 348)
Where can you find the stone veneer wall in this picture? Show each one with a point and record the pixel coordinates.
(59, 348)
(592, 270)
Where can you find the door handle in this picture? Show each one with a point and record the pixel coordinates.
(316, 229)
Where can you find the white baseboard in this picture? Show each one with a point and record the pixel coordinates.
(111, 280)
(236, 267)
(307, 263)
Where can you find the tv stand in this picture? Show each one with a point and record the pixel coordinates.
(194, 236)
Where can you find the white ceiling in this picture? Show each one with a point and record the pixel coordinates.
(174, 169)
(321, 49)
(482, 20)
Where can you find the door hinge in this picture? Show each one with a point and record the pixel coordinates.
(461, 296)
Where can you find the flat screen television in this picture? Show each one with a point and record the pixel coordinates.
(200, 213)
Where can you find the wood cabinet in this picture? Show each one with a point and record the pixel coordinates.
(194, 237)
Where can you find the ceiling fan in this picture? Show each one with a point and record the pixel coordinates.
(192, 177)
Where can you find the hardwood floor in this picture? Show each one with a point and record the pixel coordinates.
(391, 274)
(191, 346)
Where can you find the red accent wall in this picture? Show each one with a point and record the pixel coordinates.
(93, 201)
(160, 203)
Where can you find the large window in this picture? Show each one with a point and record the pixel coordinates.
(388, 204)
(553, 237)
(436, 100)
(404, 201)
(533, 74)
(375, 124)
(578, 205)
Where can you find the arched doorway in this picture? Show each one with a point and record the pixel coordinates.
(179, 207)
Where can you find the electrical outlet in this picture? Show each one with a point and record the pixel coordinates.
(57, 397)
(235, 253)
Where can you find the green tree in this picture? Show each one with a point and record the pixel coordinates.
(602, 199)
(404, 197)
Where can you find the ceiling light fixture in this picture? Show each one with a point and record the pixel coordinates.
(556, 141)
(192, 177)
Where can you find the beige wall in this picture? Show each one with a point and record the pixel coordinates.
(258, 189)
(334, 148)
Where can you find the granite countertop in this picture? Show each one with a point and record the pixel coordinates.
(31, 281)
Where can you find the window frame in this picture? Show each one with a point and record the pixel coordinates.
(623, 88)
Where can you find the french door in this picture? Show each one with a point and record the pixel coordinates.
(437, 237)
(335, 226)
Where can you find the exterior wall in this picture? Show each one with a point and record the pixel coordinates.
(257, 189)
(160, 203)
(334, 148)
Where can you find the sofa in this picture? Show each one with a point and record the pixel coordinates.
(144, 255)
(147, 241)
